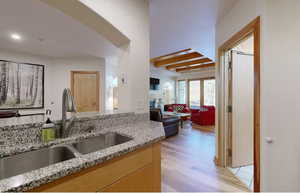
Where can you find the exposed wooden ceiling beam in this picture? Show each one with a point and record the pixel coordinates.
(200, 61)
(167, 55)
(178, 59)
(195, 67)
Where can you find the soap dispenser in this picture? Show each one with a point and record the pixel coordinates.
(48, 129)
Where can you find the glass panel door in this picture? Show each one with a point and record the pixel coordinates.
(181, 92)
(195, 94)
(210, 92)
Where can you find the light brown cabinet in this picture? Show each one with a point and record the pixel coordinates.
(138, 171)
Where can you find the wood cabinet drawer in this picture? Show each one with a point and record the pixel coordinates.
(139, 181)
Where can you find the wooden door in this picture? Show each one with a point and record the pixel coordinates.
(242, 109)
(85, 89)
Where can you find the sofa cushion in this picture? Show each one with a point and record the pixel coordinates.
(182, 108)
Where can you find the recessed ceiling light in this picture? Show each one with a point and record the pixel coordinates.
(15, 36)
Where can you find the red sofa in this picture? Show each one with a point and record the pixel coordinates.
(181, 108)
(204, 116)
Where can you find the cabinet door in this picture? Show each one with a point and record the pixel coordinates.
(100, 176)
(139, 181)
(85, 88)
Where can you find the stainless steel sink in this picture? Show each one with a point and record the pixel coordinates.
(100, 142)
(25, 162)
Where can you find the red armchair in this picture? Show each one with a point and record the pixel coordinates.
(204, 116)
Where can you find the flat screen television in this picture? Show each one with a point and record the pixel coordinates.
(154, 84)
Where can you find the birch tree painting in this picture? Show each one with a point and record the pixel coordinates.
(21, 85)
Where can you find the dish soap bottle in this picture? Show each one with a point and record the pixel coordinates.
(48, 129)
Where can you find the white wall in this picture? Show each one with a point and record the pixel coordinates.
(167, 87)
(26, 58)
(111, 81)
(280, 96)
(280, 93)
(57, 77)
(242, 13)
(131, 17)
(177, 25)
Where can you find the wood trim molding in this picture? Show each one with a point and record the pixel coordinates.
(177, 59)
(195, 67)
(168, 55)
(251, 28)
(183, 64)
(257, 106)
(202, 92)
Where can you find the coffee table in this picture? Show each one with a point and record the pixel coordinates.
(179, 115)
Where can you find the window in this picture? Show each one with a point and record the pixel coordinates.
(210, 92)
(195, 94)
(181, 92)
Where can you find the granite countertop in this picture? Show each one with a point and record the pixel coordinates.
(143, 133)
(25, 122)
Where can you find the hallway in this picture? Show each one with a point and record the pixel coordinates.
(187, 164)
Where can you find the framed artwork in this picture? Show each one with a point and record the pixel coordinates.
(21, 85)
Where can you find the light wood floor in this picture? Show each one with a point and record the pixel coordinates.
(245, 174)
(187, 164)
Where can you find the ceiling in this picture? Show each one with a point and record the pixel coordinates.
(178, 24)
(48, 32)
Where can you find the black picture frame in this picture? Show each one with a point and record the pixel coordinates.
(43, 86)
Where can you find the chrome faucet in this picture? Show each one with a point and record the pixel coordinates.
(68, 105)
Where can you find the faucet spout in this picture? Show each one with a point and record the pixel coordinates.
(68, 105)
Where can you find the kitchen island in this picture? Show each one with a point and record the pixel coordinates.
(130, 166)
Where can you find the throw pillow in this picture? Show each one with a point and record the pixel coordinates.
(179, 108)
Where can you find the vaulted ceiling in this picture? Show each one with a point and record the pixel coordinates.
(180, 24)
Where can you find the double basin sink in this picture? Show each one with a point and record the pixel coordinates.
(25, 162)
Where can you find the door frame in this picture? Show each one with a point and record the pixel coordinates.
(98, 84)
(252, 28)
